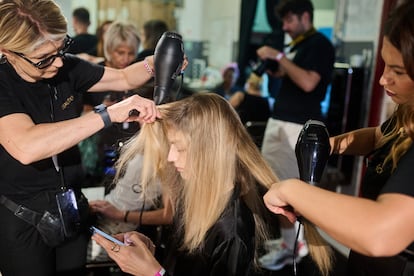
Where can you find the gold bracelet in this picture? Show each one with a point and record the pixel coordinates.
(126, 216)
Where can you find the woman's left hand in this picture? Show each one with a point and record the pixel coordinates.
(106, 209)
(135, 257)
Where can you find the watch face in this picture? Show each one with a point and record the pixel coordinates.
(99, 108)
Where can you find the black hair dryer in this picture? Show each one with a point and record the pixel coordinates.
(312, 151)
(168, 61)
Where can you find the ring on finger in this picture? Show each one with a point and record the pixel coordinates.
(115, 248)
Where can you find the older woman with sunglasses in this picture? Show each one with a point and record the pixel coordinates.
(41, 89)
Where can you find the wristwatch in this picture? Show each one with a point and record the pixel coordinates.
(101, 110)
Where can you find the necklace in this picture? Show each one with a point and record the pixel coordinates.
(379, 169)
(302, 37)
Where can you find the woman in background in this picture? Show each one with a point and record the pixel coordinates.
(121, 44)
(100, 34)
(150, 33)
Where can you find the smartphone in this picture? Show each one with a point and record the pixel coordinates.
(68, 211)
(105, 235)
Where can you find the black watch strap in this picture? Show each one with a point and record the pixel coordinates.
(101, 110)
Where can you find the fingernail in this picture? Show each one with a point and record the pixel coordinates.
(128, 241)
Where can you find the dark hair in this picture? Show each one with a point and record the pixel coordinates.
(399, 29)
(153, 30)
(82, 15)
(297, 7)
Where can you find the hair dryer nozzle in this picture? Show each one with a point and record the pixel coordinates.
(312, 151)
(168, 60)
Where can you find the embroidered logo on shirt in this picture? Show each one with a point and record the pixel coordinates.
(67, 102)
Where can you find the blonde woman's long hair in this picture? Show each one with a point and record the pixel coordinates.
(220, 155)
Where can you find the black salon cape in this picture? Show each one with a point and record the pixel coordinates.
(228, 248)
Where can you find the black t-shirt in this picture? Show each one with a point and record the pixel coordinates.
(84, 43)
(292, 104)
(34, 99)
(253, 108)
(379, 179)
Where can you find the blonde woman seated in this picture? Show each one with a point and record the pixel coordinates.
(215, 172)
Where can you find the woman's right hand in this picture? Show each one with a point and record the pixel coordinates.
(135, 257)
(121, 111)
(274, 201)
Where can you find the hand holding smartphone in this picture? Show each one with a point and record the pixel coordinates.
(105, 235)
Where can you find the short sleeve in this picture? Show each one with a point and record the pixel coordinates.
(400, 180)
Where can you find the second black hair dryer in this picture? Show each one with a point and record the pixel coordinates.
(312, 151)
(168, 60)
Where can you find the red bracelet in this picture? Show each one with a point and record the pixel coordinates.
(279, 56)
(148, 67)
(161, 272)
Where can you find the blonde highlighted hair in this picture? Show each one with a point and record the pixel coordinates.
(27, 24)
(121, 33)
(220, 155)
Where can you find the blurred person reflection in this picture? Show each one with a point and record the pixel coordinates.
(226, 88)
(121, 44)
(150, 33)
(250, 104)
(84, 42)
(100, 34)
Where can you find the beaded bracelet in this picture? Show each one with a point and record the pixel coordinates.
(161, 272)
(279, 56)
(148, 67)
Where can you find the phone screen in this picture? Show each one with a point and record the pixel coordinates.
(68, 210)
(105, 235)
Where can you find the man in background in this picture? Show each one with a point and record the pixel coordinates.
(84, 42)
(305, 69)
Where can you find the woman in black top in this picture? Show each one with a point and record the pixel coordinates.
(379, 228)
(40, 102)
(213, 172)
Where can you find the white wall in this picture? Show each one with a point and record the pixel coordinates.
(363, 20)
(214, 21)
